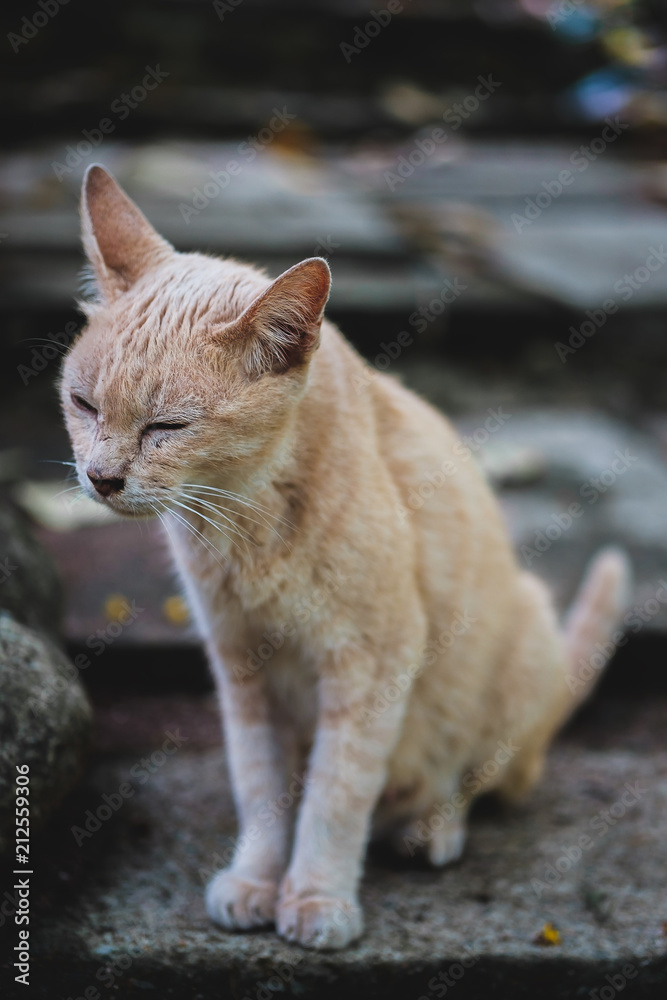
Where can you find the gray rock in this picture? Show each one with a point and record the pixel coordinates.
(29, 585)
(44, 713)
(44, 723)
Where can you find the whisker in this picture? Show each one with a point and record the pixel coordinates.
(217, 509)
(196, 534)
(45, 340)
(231, 496)
(185, 520)
(161, 519)
(68, 490)
(193, 531)
(213, 524)
(253, 504)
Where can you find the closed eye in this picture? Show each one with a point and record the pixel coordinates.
(165, 427)
(83, 404)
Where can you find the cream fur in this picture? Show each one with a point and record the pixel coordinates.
(405, 646)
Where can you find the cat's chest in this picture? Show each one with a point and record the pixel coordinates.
(251, 599)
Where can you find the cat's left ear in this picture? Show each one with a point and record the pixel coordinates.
(281, 328)
(119, 241)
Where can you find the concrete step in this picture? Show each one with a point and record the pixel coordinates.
(588, 245)
(584, 854)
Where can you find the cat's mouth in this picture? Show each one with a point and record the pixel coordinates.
(133, 513)
(124, 506)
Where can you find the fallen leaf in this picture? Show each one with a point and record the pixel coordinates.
(548, 936)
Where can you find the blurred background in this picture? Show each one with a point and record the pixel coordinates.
(486, 178)
(488, 181)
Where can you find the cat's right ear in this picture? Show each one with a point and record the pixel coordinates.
(119, 241)
(280, 330)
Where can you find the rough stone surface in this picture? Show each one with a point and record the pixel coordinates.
(44, 723)
(29, 586)
(124, 909)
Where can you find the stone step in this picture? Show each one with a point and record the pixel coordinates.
(599, 241)
(584, 854)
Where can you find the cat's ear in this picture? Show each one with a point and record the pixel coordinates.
(119, 241)
(281, 328)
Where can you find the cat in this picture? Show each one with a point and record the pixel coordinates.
(379, 662)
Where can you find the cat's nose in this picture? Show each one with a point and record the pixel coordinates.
(105, 487)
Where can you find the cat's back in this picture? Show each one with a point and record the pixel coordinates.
(422, 447)
(439, 493)
(458, 526)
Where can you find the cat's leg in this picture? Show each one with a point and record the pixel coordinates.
(244, 895)
(441, 839)
(318, 905)
(440, 830)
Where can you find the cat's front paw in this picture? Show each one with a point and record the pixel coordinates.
(319, 921)
(240, 903)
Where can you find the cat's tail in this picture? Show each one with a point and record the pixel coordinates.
(593, 624)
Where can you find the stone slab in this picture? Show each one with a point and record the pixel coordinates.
(286, 203)
(125, 908)
(127, 560)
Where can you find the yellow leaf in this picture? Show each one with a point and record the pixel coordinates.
(548, 936)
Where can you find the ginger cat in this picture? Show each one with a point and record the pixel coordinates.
(396, 653)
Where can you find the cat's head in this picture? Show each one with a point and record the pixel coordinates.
(189, 368)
